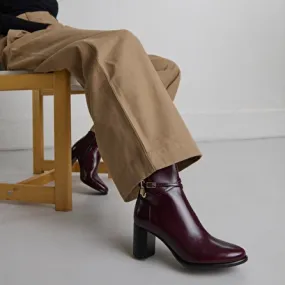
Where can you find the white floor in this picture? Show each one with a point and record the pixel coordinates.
(238, 190)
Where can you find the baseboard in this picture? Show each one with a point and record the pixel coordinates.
(229, 125)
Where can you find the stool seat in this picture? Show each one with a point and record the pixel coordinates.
(75, 85)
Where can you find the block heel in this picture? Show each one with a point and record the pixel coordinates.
(143, 244)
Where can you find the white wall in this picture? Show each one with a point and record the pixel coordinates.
(231, 52)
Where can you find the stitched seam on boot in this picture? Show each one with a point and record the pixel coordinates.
(124, 111)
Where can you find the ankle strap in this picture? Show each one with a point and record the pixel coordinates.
(153, 185)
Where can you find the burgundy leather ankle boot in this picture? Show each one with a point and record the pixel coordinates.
(87, 153)
(163, 211)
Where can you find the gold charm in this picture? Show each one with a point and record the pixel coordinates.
(142, 192)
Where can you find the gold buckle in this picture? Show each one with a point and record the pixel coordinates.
(150, 185)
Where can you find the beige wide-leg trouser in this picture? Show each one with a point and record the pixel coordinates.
(129, 95)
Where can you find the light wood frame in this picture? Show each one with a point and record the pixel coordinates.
(34, 189)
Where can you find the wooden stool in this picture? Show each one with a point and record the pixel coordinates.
(33, 190)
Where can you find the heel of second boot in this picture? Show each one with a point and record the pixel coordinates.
(74, 155)
(143, 244)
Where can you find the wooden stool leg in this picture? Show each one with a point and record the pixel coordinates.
(62, 141)
(38, 132)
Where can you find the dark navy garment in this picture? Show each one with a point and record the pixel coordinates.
(9, 9)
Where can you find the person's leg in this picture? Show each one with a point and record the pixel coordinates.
(86, 150)
(139, 131)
